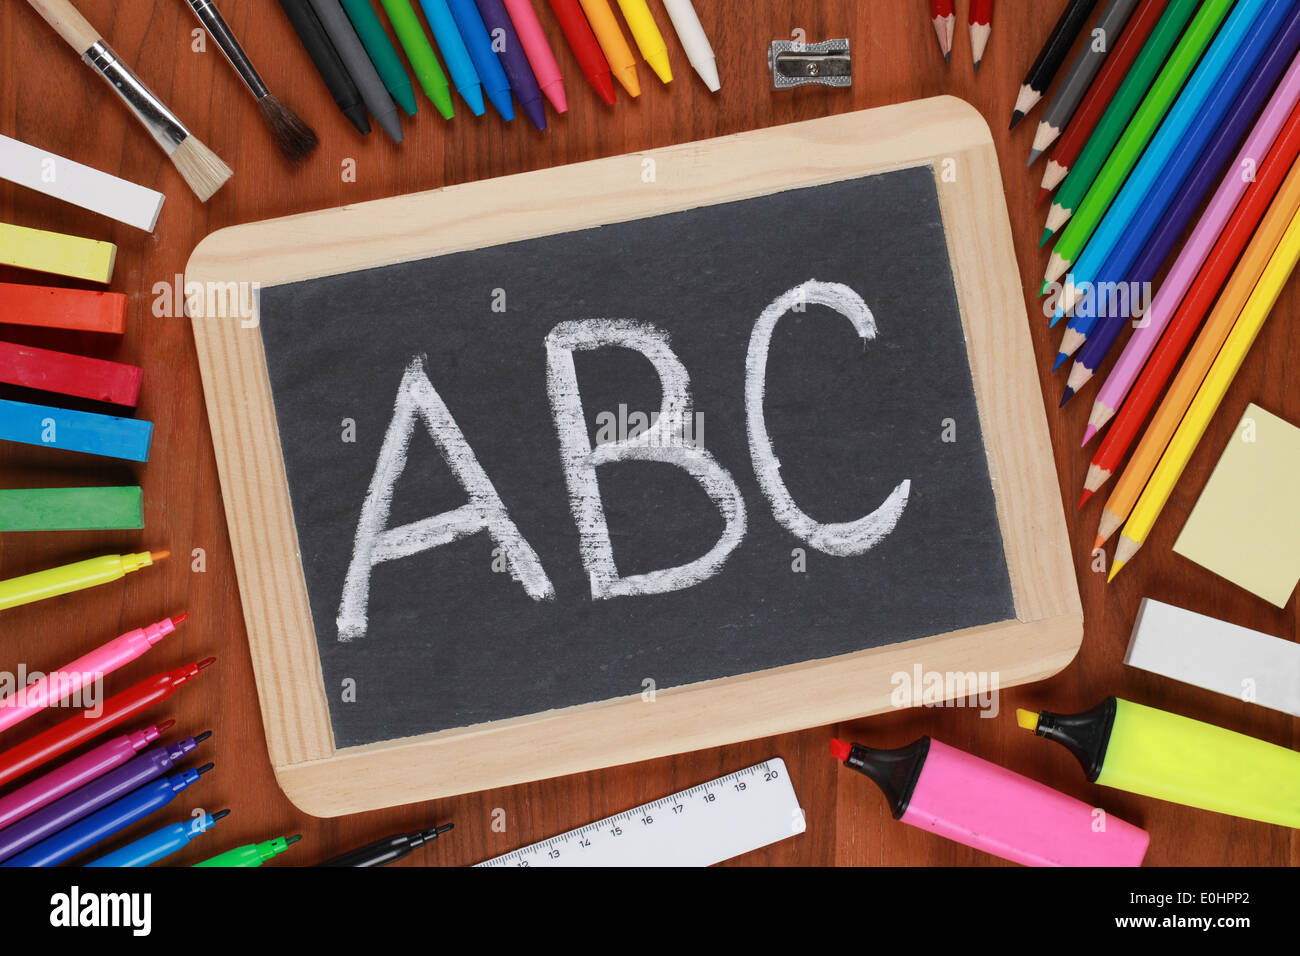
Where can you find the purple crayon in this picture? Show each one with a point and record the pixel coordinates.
(513, 59)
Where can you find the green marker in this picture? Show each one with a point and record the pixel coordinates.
(254, 854)
(420, 52)
(1116, 118)
(380, 50)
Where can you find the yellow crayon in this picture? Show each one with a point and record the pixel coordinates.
(612, 43)
(73, 577)
(648, 38)
(56, 253)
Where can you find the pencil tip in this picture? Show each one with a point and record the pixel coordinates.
(1099, 542)
(1016, 117)
(1060, 360)
(1087, 435)
(1114, 570)
(1083, 500)
(1033, 155)
(1069, 393)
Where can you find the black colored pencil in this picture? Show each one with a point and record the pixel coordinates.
(1050, 58)
(328, 64)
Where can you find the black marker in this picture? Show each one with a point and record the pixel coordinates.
(388, 850)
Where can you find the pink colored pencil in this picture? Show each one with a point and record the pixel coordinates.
(58, 783)
(86, 669)
(1165, 304)
(538, 50)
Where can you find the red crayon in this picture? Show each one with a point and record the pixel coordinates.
(75, 731)
(578, 32)
(77, 375)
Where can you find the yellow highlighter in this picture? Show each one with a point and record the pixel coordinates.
(73, 577)
(648, 38)
(1143, 750)
(612, 43)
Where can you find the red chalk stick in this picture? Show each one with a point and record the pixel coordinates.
(96, 379)
(62, 308)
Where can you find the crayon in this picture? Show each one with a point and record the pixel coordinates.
(486, 64)
(329, 66)
(648, 38)
(352, 52)
(583, 43)
(514, 61)
(420, 54)
(456, 53)
(538, 50)
(380, 50)
(612, 43)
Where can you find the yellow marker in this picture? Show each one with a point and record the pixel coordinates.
(54, 252)
(1142, 750)
(612, 43)
(1209, 396)
(648, 38)
(73, 577)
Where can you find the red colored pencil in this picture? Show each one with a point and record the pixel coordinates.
(944, 19)
(1099, 95)
(981, 25)
(65, 374)
(583, 42)
(1195, 305)
(75, 731)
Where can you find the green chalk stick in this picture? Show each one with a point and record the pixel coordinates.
(380, 50)
(71, 509)
(420, 53)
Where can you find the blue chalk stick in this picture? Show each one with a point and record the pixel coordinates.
(125, 438)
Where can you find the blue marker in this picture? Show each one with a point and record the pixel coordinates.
(84, 834)
(161, 843)
(454, 51)
(476, 37)
(126, 438)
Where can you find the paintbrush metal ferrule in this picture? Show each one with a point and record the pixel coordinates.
(215, 24)
(161, 122)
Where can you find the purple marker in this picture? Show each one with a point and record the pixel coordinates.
(514, 59)
(76, 773)
(149, 765)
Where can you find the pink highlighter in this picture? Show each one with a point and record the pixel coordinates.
(70, 678)
(968, 800)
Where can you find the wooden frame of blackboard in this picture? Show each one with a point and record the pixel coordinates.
(942, 132)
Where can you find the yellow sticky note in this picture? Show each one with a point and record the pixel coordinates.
(1246, 525)
(57, 253)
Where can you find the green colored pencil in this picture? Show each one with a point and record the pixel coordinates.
(380, 50)
(1102, 167)
(420, 54)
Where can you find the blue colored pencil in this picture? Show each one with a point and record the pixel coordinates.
(1244, 35)
(106, 435)
(479, 43)
(454, 51)
(1209, 169)
(160, 844)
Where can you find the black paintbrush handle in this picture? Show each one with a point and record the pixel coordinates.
(215, 24)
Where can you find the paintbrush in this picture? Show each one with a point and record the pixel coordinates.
(294, 137)
(202, 168)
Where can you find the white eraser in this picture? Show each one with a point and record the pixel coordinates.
(80, 185)
(1218, 656)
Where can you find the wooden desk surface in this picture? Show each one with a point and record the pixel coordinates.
(48, 99)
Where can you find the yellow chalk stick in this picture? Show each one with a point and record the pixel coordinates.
(55, 252)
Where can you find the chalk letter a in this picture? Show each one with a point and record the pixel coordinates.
(662, 442)
(375, 542)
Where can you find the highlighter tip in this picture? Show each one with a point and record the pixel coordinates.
(839, 749)
(1027, 719)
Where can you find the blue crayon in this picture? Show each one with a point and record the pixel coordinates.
(161, 843)
(454, 51)
(126, 438)
(474, 32)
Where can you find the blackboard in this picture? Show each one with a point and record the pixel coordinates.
(840, 299)
(450, 641)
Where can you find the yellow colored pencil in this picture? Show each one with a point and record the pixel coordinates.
(73, 577)
(612, 43)
(1209, 396)
(1170, 412)
(648, 38)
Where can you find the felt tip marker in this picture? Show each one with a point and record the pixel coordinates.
(388, 850)
(252, 854)
(1155, 753)
(957, 795)
(74, 577)
(162, 843)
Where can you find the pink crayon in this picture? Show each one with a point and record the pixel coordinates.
(69, 679)
(971, 801)
(538, 50)
(44, 790)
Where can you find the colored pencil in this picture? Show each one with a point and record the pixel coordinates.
(1050, 58)
(352, 52)
(1187, 200)
(645, 32)
(1099, 96)
(981, 25)
(329, 66)
(459, 64)
(1208, 397)
(1258, 168)
(585, 47)
(538, 50)
(1125, 494)
(612, 43)
(496, 87)
(71, 309)
(514, 61)
(696, 42)
(1159, 99)
(944, 20)
(1109, 28)
(419, 53)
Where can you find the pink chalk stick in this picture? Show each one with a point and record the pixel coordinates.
(538, 50)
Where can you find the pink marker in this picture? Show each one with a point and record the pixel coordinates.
(971, 801)
(538, 50)
(76, 773)
(1235, 182)
(67, 680)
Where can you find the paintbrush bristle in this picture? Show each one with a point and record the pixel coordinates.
(294, 137)
(201, 167)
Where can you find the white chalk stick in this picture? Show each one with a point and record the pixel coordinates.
(80, 185)
(1218, 656)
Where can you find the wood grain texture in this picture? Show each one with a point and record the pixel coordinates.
(47, 96)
